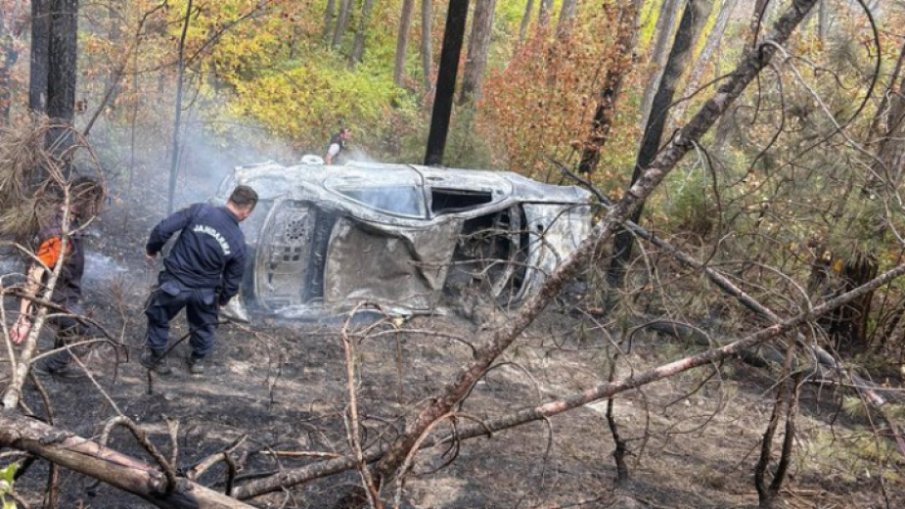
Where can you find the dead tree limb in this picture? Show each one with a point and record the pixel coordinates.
(118, 470)
(752, 63)
(290, 477)
(871, 392)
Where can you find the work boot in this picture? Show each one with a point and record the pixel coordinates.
(65, 371)
(196, 365)
(155, 362)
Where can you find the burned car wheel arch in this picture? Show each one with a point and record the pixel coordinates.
(409, 238)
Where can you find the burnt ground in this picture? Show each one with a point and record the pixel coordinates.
(694, 438)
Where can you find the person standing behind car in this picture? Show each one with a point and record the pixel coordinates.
(202, 271)
(337, 145)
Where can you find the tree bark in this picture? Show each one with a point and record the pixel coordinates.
(402, 40)
(427, 57)
(329, 15)
(8, 57)
(177, 121)
(627, 31)
(358, 48)
(453, 34)
(40, 56)
(566, 19)
(704, 59)
(526, 20)
(693, 18)
(478, 46)
(63, 54)
(342, 22)
(664, 30)
(544, 12)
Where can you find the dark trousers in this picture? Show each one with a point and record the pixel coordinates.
(200, 310)
(67, 330)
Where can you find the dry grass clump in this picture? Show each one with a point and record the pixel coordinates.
(36, 170)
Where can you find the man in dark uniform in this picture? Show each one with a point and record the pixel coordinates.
(203, 271)
(55, 241)
(337, 145)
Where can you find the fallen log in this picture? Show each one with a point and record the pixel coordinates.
(114, 468)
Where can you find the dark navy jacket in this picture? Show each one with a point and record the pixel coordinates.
(210, 252)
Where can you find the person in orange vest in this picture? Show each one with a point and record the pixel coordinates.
(85, 198)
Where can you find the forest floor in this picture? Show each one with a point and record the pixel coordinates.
(694, 439)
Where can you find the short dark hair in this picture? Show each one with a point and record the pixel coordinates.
(244, 196)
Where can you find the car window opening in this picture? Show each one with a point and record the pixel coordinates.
(445, 201)
(399, 200)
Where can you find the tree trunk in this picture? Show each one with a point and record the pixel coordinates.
(342, 22)
(40, 56)
(329, 15)
(543, 14)
(823, 20)
(566, 19)
(427, 57)
(693, 18)
(478, 45)
(63, 53)
(526, 20)
(358, 48)
(627, 30)
(177, 121)
(704, 60)
(402, 40)
(453, 34)
(8, 57)
(664, 29)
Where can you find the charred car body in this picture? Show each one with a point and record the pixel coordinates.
(406, 237)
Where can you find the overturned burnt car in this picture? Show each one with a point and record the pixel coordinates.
(409, 238)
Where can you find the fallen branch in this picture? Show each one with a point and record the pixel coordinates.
(116, 469)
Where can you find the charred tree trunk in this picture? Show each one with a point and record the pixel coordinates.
(358, 48)
(427, 57)
(664, 29)
(612, 85)
(566, 19)
(40, 56)
(446, 81)
(785, 407)
(696, 12)
(478, 45)
(342, 22)
(402, 40)
(63, 53)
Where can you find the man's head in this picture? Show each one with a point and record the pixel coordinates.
(242, 202)
(345, 133)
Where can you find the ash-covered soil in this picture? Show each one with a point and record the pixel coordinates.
(694, 439)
